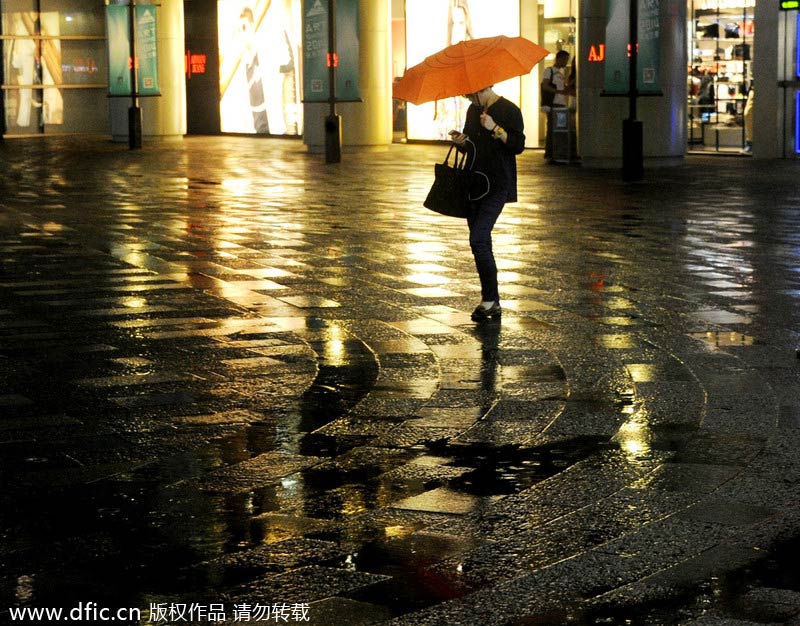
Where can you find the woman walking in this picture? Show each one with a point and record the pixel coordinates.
(494, 128)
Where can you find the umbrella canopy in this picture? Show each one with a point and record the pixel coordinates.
(467, 67)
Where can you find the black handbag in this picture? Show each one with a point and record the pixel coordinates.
(454, 186)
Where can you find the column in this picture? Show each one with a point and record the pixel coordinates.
(529, 94)
(664, 118)
(768, 101)
(367, 123)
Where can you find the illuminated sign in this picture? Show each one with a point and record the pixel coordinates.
(317, 60)
(435, 24)
(797, 122)
(194, 63)
(597, 53)
(788, 5)
(797, 91)
(119, 59)
(618, 47)
(259, 67)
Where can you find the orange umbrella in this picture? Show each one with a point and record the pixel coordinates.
(467, 67)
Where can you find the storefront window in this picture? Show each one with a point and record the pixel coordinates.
(720, 75)
(259, 53)
(54, 67)
(431, 25)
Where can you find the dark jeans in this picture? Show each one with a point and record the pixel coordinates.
(484, 214)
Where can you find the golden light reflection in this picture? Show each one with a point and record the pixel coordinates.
(419, 247)
(53, 227)
(398, 531)
(635, 436)
(352, 500)
(236, 185)
(720, 339)
(333, 350)
(619, 341)
(133, 302)
(426, 279)
(642, 372)
(425, 257)
(618, 321)
(137, 259)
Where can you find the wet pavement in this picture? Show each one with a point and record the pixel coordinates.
(238, 385)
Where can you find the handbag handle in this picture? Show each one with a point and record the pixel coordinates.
(461, 157)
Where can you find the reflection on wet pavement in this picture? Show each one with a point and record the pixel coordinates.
(231, 375)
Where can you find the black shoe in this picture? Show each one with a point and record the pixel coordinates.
(480, 314)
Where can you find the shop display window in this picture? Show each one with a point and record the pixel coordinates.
(259, 67)
(431, 25)
(54, 76)
(720, 74)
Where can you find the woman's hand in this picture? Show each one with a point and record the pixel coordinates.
(487, 122)
(458, 138)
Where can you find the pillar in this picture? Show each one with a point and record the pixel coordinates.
(367, 123)
(529, 94)
(664, 118)
(768, 101)
(165, 115)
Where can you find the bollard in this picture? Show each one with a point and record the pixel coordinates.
(632, 150)
(333, 138)
(134, 127)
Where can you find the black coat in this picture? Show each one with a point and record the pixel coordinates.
(494, 158)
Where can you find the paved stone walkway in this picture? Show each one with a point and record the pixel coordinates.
(232, 375)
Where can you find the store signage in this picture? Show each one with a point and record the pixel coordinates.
(119, 50)
(797, 122)
(259, 67)
(194, 63)
(316, 57)
(597, 53)
(617, 50)
(788, 5)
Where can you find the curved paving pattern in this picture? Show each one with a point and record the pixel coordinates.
(233, 374)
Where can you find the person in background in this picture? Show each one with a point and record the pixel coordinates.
(553, 95)
(494, 130)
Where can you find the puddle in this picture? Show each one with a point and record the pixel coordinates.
(491, 472)
(507, 470)
(723, 339)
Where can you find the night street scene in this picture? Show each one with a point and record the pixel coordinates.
(239, 385)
